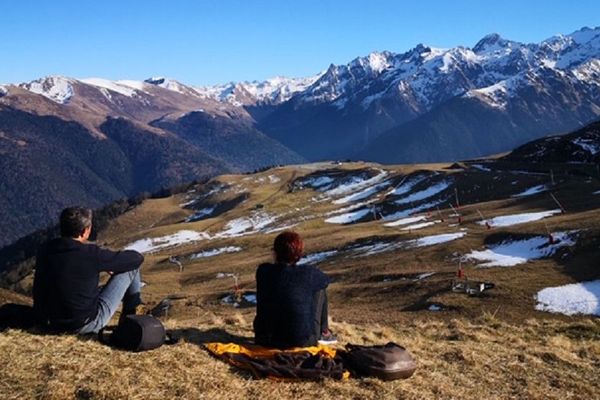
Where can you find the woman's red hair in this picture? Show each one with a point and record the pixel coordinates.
(288, 247)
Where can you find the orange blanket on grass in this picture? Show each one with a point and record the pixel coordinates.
(299, 363)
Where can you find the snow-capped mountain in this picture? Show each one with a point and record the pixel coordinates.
(429, 75)
(385, 103)
(92, 141)
(55, 88)
(270, 92)
(362, 108)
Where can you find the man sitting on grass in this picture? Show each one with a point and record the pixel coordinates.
(291, 309)
(66, 295)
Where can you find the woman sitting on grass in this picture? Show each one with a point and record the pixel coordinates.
(291, 308)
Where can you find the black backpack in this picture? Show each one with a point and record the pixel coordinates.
(16, 316)
(387, 362)
(137, 333)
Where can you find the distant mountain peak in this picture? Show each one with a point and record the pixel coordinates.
(55, 87)
(377, 61)
(585, 34)
(492, 42)
(420, 47)
(271, 91)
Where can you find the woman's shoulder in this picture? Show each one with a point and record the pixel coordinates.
(311, 268)
(264, 268)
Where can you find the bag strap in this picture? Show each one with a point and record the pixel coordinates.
(350, 347)
(170, 339)
(102, 336)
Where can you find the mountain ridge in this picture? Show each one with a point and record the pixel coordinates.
(425, 104)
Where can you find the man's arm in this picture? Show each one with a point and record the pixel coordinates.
(118, 261)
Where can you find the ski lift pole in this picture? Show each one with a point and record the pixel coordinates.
(562, 209)
(456, 213)
(174, 260)
(456, 195)
(440, 213)
(550, 237)
(399, 184)
(487, 224)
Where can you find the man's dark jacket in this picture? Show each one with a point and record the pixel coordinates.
(65, 284)
(285, 309)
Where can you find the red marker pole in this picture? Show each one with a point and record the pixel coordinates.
(460, 273)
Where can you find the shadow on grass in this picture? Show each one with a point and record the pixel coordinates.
(200, 337)
(423, 302)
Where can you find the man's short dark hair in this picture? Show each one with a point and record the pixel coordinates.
(74, 220)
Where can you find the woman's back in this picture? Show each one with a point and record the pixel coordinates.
(285, 304)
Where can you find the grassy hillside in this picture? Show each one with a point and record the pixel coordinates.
(389, 283)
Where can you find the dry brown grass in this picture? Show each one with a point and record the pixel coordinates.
(458, 359)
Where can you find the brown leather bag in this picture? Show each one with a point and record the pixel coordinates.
(387, 362)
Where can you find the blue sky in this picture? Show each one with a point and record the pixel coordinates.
(209, 42)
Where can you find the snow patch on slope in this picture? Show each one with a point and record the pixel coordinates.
(515, 219)
(256, 222)
(150, 245)
(411, 211)
(316, 258)
(575, 298)
(532, 191)
(348, 218)
(215, 252)
(421, 225)
(406, 186)
(137, 85)
(406, 221)
(425, 193)
(355, 183)
(436, 239)
(110, 85)
(200, 213)
(589, 145)
(498, 94)
(363, 194)
(380, 247)
(511, 253)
